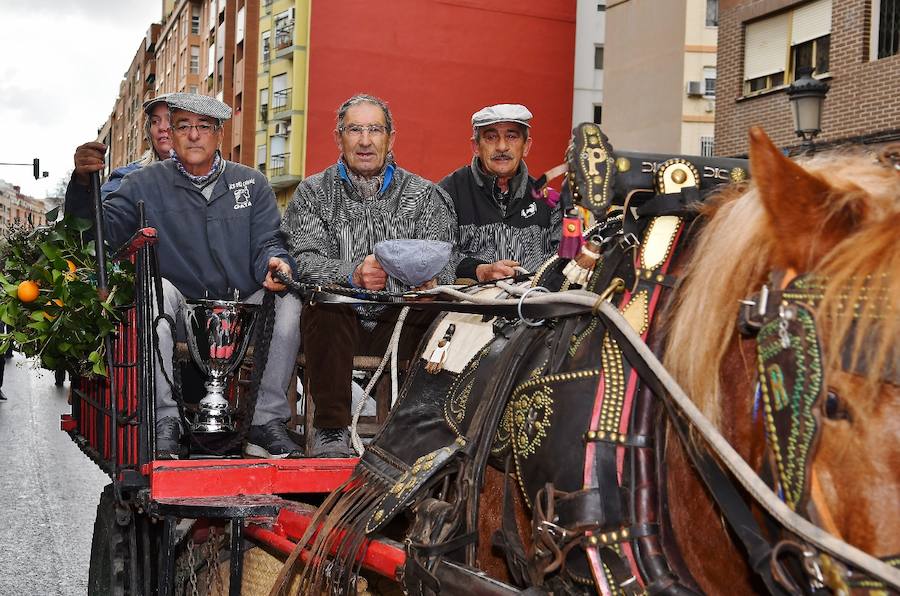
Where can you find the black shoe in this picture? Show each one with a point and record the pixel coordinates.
(168, 438)
(272, 441)
(332, 442)
(2, 397)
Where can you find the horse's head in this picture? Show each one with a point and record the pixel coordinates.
(820, 238)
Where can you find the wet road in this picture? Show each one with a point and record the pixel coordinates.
(48, 489)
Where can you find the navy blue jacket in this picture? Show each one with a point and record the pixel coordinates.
(206, 249)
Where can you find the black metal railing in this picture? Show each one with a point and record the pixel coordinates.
(281, 101)
(278, 165)
(284, 36)
(264, 112)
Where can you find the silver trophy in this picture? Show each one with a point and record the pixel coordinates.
(218, 335)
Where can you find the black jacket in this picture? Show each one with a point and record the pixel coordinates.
(521, 228)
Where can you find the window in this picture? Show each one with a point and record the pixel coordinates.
(598, 57)
(775, 47)
(211, 59)
(239, 26)
(265, 45)
(195, 19)
(707, 146)
(886, 22)
(264, 97)
(598, 114)
(709, 81)
(261, 158)
(195, 59)
(712, 13)
(220, 74)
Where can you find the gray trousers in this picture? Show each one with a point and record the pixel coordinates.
(271, 403)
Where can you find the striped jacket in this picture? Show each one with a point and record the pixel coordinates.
(522, 228)
(330, 229)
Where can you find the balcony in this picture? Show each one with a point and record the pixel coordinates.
(281, 104)
(267, 6)
(280, 176)
(284, 35)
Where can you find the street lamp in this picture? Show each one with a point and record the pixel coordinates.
(807, 95)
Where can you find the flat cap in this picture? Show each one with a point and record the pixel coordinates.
(502, 112)
(152, 103)
(203, 105)
(413, 261)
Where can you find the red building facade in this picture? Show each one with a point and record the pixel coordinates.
(436, 62)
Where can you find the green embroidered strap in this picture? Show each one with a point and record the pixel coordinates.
(791, 382)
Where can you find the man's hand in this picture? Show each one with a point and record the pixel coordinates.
(431, 283)
(271, 282)
(369, 274)
(88, 159)
(497, 270)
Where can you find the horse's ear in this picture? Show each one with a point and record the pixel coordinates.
(805, 224)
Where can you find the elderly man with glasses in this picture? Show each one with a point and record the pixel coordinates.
(218, 234)
(332, 226)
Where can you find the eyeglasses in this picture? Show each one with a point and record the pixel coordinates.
(202, 129)
(357, 130)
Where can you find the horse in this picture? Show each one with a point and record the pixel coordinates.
(608, 485)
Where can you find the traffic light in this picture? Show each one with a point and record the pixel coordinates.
(36, 164)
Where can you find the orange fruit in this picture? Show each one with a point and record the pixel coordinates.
(70, 274)
(71, 266)
(27, 291)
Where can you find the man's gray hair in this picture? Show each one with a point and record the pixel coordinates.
(365, 98)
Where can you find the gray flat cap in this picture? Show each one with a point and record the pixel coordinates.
(152, 103)
(502, 112)
(203, 105)
(413, 262)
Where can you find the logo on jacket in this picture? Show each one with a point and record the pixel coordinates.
(241, 193)
(530, 210)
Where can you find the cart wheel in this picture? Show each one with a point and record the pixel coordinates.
(110, 556)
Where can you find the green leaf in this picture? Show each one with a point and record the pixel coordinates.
(94, 357)
(80, 225)
(52, 214)
(21, 338)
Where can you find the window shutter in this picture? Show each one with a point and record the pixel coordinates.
(766, 46)
(811, 21)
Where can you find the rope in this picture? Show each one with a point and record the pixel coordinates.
(391, 354)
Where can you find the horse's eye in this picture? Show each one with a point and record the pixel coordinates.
(835, 408)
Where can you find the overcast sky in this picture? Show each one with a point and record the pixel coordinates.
(61, 62)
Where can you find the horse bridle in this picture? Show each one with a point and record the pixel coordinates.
(791, 389)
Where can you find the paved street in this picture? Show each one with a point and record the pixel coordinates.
(49, 490)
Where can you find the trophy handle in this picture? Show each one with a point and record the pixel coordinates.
(190, 320)
(245, 340)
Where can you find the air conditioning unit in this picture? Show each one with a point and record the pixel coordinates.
(695, 88)
(282, 129)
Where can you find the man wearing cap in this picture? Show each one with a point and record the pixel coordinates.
(89, 156)
(218, 235)
(332, 226)
(501, 224)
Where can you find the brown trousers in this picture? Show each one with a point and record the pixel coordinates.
(332, 336)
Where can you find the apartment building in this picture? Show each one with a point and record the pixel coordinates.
(14, 206)
(853, 45)
(281, 81)
(126, 139)
(590, 32)
(659, 71)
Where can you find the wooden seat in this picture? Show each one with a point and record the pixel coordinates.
(368, 426)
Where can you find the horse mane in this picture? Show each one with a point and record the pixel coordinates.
(734, 253)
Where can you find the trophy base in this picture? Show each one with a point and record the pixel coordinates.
(213, 414)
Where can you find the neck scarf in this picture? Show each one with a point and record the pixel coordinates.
(200, 180)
